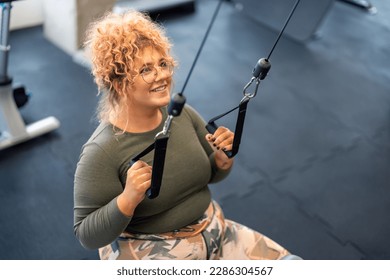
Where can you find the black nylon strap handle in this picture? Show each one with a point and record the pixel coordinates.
(212, 126)
(141, 154)
(259, 73)
(159, 146)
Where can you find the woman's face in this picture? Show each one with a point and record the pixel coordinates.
(153, 84)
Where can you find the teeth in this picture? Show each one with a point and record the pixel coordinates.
(159, 89)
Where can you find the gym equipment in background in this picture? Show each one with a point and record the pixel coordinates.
(153, 6)
(362, 4)
(13, 130)
(302, 27)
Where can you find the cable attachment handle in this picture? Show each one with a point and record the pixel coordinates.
(174, 109)
(260, 71)
(160, 146)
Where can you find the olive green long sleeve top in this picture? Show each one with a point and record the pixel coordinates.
(101, 176)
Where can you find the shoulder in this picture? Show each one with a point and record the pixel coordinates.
(189, 109)
(192, 114)
(102, 141)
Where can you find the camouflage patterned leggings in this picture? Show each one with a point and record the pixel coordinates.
(213, 237)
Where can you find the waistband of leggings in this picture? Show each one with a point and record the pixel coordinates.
(185, 232)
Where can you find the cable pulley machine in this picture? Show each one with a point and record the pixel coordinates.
(177, 102)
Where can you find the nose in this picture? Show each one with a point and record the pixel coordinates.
(160, 74)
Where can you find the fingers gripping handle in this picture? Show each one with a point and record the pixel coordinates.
(212, 127)
(159, 146)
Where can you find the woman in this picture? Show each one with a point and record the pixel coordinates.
(133, 69)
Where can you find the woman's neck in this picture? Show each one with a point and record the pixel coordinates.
(137, 121)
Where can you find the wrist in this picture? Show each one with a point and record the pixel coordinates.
(124, 205)
(222, 161)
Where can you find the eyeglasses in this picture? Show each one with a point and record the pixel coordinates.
(149, 72)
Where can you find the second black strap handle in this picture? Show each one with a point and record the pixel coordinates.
(212, 126)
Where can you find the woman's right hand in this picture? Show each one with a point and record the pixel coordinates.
(138, 181)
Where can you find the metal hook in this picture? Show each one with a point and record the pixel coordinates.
(248, 95)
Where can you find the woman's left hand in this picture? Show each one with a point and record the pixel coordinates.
(221, 141)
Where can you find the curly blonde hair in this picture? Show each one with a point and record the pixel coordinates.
(113, 43)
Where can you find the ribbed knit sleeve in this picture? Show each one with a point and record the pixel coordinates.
(97, 218)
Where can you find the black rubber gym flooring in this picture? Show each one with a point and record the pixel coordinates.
(313, 171)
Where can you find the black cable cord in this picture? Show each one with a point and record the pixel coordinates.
(174, 109)
(202, 44)
(178, 101)
(259, 73)
(284, 27)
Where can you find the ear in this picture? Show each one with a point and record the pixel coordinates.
(118, 86)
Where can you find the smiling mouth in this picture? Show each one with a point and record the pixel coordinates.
(158, 89)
